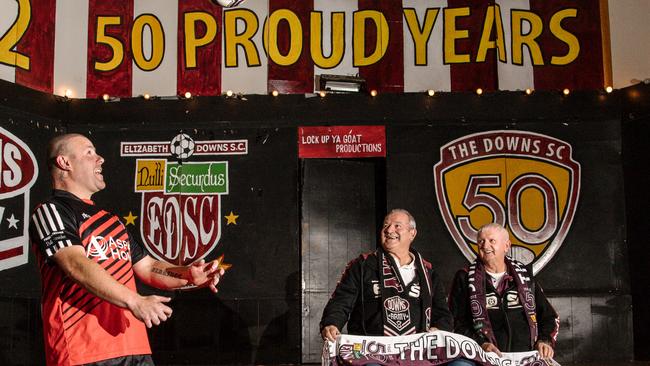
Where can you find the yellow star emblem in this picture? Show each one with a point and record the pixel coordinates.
(130, 219)
(232, 218)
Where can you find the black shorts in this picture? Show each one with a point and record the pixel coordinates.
(134, 360)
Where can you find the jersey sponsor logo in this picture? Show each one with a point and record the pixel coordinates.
(397, 312)
(18, 173)
(181, 200)
(525, 181)
(104, 248)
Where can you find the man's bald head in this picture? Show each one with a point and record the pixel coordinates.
(58, 146)
(75, 165)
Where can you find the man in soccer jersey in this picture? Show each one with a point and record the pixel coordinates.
(92, 313)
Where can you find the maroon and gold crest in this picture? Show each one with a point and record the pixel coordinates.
(527, 182)
(180, 229)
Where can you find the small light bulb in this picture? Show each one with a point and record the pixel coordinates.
(609, 89)
(188, 95)
(529, 91)
(322, 93)
(146, 96)
(373, 92)
(479, 91)
(275, 93)
(106, 97)
(67, 93)
(431, 92)
(229, 93)
(566, 91)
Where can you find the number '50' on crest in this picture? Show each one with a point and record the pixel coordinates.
(525, 181)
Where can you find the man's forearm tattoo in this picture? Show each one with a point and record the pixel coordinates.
(165, 273)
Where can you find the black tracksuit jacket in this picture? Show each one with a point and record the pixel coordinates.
(354, 301)
(506, 315)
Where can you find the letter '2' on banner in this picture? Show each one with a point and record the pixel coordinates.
(527, 182)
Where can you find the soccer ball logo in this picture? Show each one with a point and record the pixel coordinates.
(228, 3)
(182, 146)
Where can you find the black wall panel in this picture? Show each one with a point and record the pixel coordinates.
(636, 131)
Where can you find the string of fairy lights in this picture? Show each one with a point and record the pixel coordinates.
(69, 93)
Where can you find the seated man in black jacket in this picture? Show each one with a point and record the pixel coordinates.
(391, 291)
(496, 301)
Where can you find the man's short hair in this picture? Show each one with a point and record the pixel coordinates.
(495, 226)
(403, 211)
(57, 146)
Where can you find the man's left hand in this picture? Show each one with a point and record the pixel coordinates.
(204, 274)
(545, 350)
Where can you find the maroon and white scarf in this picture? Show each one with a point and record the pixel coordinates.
(395, 298)
(523, 280)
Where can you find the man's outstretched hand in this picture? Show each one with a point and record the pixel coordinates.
(208, 274)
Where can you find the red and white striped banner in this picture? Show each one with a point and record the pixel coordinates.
(167, 47)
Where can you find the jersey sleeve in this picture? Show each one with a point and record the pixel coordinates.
(137, 251)
(54, 227)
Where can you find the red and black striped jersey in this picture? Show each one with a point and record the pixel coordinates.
(78, 326)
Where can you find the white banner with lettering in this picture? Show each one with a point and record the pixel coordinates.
(434, 348)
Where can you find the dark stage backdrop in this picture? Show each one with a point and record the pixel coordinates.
(241, 199)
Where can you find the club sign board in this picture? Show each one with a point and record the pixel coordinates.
(525, 181)
(181, 198)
